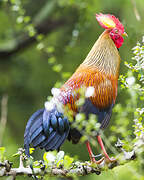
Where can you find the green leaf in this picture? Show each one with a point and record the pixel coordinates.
(2, 152)
(66, 75)
(57, 67)
(27, 19)
(16, 154)
(40, 46)
(80, 117)
(58, 84)
(83, 139)
(31, 30)
(2, 149)
(31, 150)
(39, 37)
(13, 1)
(50, 49)
(36, 164)
(60, 162)
(51, 60)
(68, 161)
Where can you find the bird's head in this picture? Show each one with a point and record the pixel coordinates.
(114, 26)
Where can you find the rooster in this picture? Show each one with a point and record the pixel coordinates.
(49, 127)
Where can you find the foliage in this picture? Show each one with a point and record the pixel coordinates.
(131, 143)
(58, 159)
(28, 74)
(2, 152)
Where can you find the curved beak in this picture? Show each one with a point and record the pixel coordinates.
(125, 34)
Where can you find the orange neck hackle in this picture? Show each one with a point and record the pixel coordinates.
(104, 55)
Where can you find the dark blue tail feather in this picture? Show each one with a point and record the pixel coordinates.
(53, 141)
(46, 129)
(38, 140)
(27, 134)
(36, 133)
(59, 143)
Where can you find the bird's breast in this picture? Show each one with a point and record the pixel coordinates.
(105, 88)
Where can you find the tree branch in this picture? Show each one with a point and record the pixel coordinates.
(79, 171)
(24, 41)
(3, 121)
(76, 169)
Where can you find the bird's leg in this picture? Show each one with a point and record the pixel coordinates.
(90, 151)
(92, 157)
(104, 150)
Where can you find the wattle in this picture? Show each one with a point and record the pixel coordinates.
(118, 40)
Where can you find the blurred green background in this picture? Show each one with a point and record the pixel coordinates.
(42, 42)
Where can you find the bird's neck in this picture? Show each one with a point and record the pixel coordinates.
(104, 55)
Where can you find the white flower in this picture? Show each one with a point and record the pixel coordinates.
(143, 39)
(130, 80)
(89, 91)
(50, 157)
(75, 33)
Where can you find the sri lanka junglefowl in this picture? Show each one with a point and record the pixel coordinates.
(48, 128)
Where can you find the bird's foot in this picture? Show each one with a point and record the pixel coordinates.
(100, 160)
(97, 161)
(106, 159)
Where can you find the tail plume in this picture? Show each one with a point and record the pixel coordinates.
(46, 129)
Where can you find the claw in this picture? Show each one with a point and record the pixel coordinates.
(92, 156)
(99, 161)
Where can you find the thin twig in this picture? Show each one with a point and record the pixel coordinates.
(3, 121)
(135, 10)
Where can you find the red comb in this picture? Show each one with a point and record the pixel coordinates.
(112, 22)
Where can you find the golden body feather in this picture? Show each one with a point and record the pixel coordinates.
(100, 69)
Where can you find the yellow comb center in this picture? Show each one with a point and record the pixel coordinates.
(108, 22)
